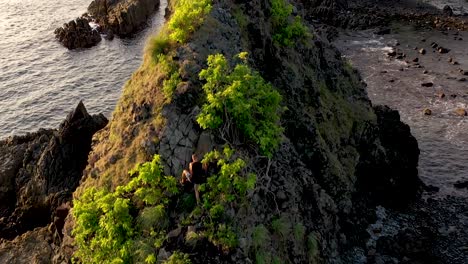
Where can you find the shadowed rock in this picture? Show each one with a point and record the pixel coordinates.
(39, 171)
(77, 34)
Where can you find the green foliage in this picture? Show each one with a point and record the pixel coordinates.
(178, 258)
(188, 15)
(107, 232)
(299, 232)
(241, 97)
(170, 85)
(260, 236)
(312, 248)
(226, 189)
(281, 226)
(286, 31)
(262, 257)
(159, 46)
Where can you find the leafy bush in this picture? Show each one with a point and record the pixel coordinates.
(240, 97)
(188, 15)
(223, 190)
(281, 226)
(178, 258)
(159, 46)
(286, 32)
(260, 237)
(107, 231)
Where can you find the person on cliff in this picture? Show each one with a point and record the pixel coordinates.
(195, 175)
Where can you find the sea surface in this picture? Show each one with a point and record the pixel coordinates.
(41, 81)
(442, 136)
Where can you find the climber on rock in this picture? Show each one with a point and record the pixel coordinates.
(195, 175)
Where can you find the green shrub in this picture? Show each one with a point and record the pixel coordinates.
(240, 99)
(170, 85)
(312, 248)
(226, 189)
(159, 46)
(178, 258)
(286, 31)
(299, 232)
(260, 237)
(188, 15)
(107, 232)
(281, 226)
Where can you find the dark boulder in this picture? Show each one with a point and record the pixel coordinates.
(122, 17)
(39, 171)
(77, 34)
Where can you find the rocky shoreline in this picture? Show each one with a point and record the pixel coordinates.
(111, 17)
(39, 173)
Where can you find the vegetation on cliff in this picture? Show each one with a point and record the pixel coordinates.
(290, 131)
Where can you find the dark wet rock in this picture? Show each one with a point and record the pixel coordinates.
(443, 50)
(39, 171)
(427, 112)
(77, 34)
(392, 53)
(427, 84)
(453, 96)
(461, 112)
(416, 60)
(383, 31)
(463, 79)
(461, 184)
(434, 45)
(447, 10)
(431, 188)
(122, 17)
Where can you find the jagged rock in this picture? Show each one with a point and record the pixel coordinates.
(39, 171)
(77, 34)
(122, 17)
(427, 112)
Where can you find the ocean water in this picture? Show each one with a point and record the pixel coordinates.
(41, 81)
(443, 136)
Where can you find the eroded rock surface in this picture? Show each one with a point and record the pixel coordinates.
(77, 34)
(122, 17)
(39, 171)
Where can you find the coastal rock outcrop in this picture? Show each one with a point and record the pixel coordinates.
(122, 17)
(40, 171)
(77, 34)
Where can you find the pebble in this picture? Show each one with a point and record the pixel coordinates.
(427, 112)
(422, 51)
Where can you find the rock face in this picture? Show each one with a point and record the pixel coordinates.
(39, 171)
(340, 156)
(122, 17)
(77, 34)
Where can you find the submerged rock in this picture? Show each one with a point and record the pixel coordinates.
(77, 34)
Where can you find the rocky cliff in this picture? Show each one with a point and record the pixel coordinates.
(338, 159)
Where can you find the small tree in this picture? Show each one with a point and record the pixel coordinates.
(240, 99)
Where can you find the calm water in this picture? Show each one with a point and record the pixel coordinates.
(41, 81)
